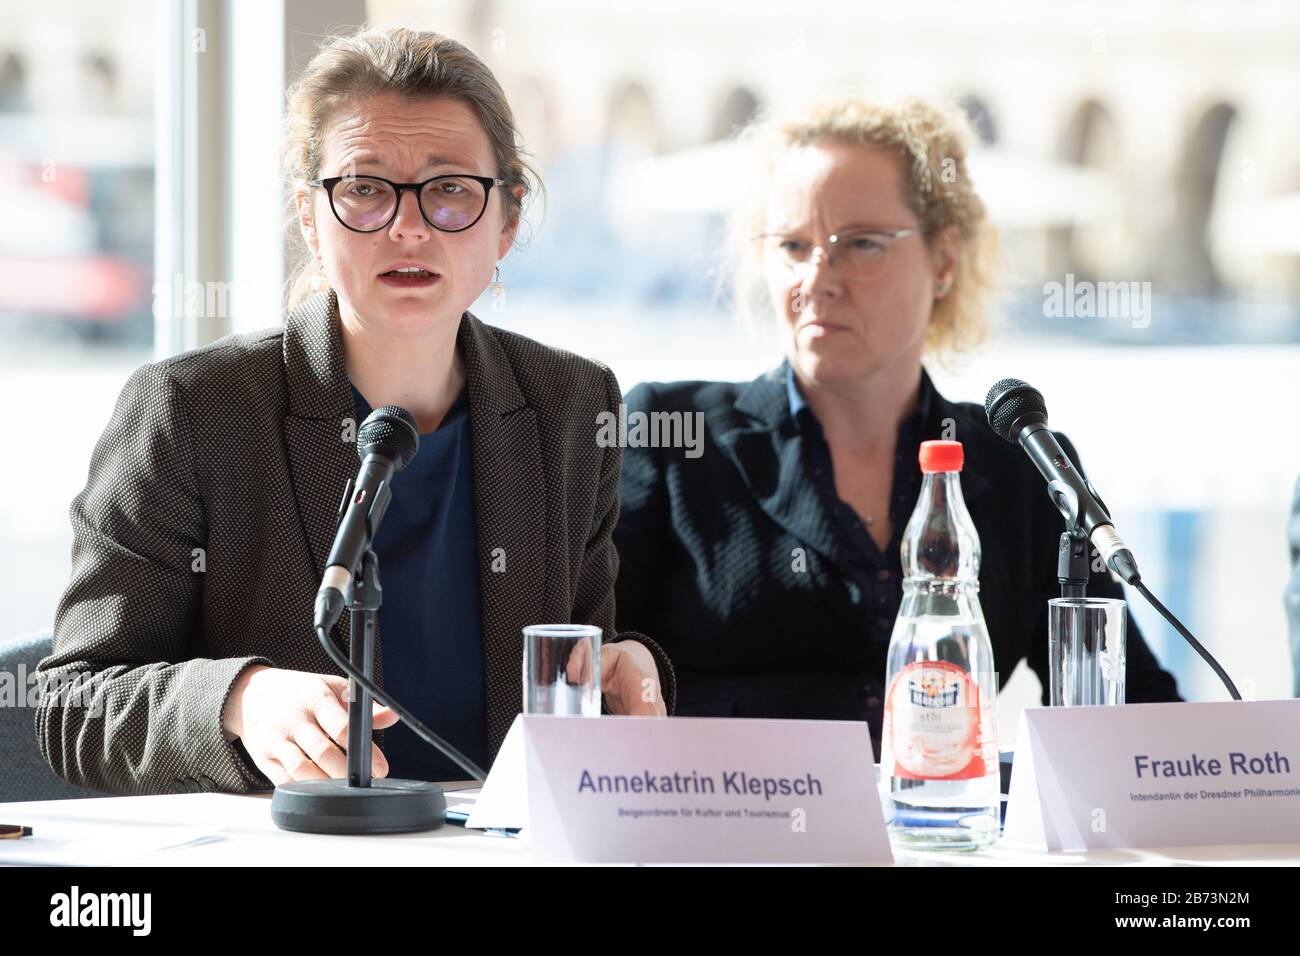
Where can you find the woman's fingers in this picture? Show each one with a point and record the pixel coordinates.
(630, 680)
(274, 772)
(577, 670)
(319, 752)
(332, 716)
(296, 763)
(301, 732)
(378, 763)
(335, 706)
(384, 717)
(324, 753)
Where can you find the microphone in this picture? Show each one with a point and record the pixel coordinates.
(386, 443)
(1018, 413)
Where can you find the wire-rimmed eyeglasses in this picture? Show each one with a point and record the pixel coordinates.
(448, 203)
(856, 253)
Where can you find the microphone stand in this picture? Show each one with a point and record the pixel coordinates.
(1073, 564)
(360, 804)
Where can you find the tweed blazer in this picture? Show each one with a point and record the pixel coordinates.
(209, 511)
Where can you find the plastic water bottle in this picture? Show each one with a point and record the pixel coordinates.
(939, 747)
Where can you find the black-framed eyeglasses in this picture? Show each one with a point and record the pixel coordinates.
(449, 203)
(857, 253)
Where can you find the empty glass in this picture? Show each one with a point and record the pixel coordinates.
(1085, 650)
(562, 669)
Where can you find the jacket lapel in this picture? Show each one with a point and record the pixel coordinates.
(510, 496)
(768, 451)
(321, 459)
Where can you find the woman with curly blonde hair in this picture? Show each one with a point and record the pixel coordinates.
(768, 566)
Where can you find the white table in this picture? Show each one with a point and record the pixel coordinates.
(240, 833)
(245, 834)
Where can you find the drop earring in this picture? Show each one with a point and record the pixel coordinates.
(318, 281)
(497, 288)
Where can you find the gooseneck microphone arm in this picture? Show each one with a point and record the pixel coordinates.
(1017, 413)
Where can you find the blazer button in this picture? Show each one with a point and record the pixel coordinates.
(873, 701)
(208, 784)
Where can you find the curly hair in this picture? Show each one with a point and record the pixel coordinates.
(932, 143)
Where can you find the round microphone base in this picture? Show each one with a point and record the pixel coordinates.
(332, 806)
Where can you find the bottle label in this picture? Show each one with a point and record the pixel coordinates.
(937, 725)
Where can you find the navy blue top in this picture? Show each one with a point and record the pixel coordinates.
(877, 575)
(430, 621)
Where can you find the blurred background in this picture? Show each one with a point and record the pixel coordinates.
(1153, 144)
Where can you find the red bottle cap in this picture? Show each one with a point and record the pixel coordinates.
(941, 456)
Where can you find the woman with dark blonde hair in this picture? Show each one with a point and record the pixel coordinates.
(769, 566)
(208, 516)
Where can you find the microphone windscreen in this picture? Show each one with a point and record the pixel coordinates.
(1011, 405)
(391, 431)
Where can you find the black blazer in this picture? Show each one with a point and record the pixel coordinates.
(706, 543)
(208, 515)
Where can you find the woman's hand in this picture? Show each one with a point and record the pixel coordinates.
(630, 680)
(294, 724)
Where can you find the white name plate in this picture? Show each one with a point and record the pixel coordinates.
(1148, 775)
(687, 790)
